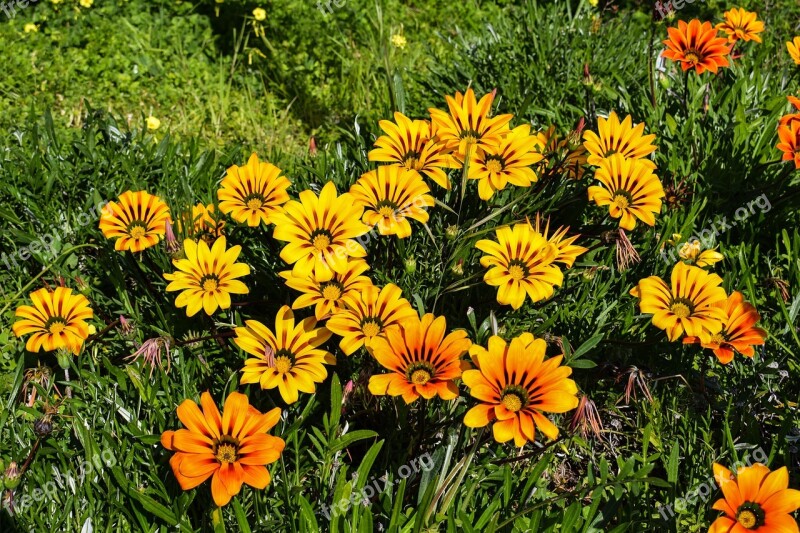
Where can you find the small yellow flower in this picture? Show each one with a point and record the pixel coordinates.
(399, 41)
(86, 3)
(692, 253)
(153, 123)
(31, 28)
(593, 3)
(259, 14)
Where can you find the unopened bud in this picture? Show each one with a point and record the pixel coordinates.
(64, 357)
(12, 477)
(410, 265)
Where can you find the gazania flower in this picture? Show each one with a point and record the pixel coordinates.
(563, 154)
(755, 499)
(207, 276)
(468, 126)
(290, 358)
(520, 263)
(422, 360)
(615, 137)
(789, 144)
(508, 162)
(690, 305)
(205, 224)
(409, 143)
(320, 232)
(696, 46)
(741, 24)
(231, 448)
(515, 386)
(738, 331)
(253, 193)
(368, 314)
(57, 319)
(138, 221)
(794, 49)
(327, 296)
(692, 254)
(629, 189)
(390, 196)
(787, 120)
(566, 252)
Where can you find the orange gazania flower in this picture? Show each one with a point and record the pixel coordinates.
(137, 221)
(57, 319)
(738, 331)
(786, 120)
(793, 47)
(423, 360)
(253, 193)
(696, 46)
(231, 448)
(516, 386)
(789, 144)
(756, 500)
(741, 24)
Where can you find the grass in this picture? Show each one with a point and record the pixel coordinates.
(72, 111)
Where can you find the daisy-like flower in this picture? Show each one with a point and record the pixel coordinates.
(738, 334)
(629, 189)
(369, 314)
(57, 319)
(232, 448)
(327, 296)
(615, 137)
(409, 143)
(689, 306)
(793, 47)
(515, 386)
(566, 252)
(254, 193)
(698, 46)
(137, 221)
(741, 24)
(289, 359)
(392, 195)
(320, 232)
(787, 120)
(789, 144)
(755, 499)
(207, 276)
(422, 358)
(520, 263)
(508, 162)
(692, 254)
(468, 126)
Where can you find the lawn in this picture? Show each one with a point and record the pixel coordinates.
(399, 266)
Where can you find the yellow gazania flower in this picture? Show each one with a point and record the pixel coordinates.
(57, 319)
(422, 358)
(368, 314)
(793, 47)
(232, 448)
(320, 232)
(508, 162)
(468, 126)
(756, 500)
(690, 252)
(207, 277)
(566, 252)
(688, 306)
(741, 24)
(327, 296)
(138, 221)
(290, 358)
(520, 263)
(629, 189)
(253, 193)
(516, 386)
(409, 143)
(390, 196)
(613, 137)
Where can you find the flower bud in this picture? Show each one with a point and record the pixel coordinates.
(12, 476)
(43, 427)
(451, 232)
(410, 265)
(64, 357)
